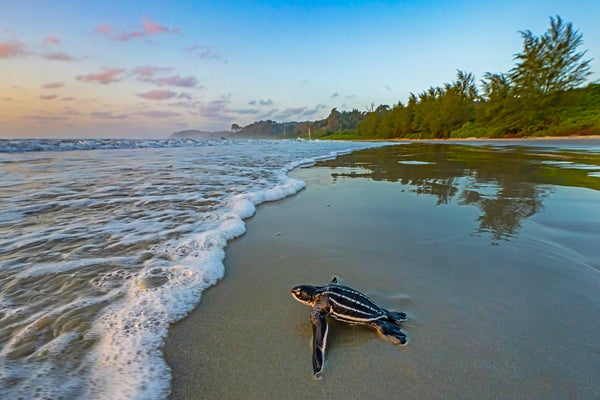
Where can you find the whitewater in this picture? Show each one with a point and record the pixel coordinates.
(104, 243)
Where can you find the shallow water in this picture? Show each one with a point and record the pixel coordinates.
(104, 243)
(507, 182)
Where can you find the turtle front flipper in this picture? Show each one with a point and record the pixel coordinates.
(320, 328)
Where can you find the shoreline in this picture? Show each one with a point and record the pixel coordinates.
(485, 321)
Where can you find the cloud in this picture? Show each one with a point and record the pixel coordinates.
(11, 49)
(261, 102)
(148, 28)
(107, 115)
(157, 95)
(106, 76)
(70, 111)
(58, 57)
(147, 72)
(244, 111)
(176, 80)
(159, 114)
(67, 99)
(151, 28)
(289, 112)
(293, 113)
(127, 36)
(184, 104)
(268, 114)
(53, 85)
(52, 40)
(215, 110)
(48, 97)
(315, 110)
(104, 29)
(204, 52)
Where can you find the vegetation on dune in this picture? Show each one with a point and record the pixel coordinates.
(542, 95)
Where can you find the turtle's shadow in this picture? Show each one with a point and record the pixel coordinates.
(341, 334)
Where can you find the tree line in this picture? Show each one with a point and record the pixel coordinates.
(541, 95)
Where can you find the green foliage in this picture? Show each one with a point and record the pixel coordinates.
(336, 122)
(550, 63)
(434, 113)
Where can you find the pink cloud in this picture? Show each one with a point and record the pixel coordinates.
(127, 36)
(177, 80)
(51, 39)
(149, 28)
(106, 76)
(58, 57)
(53, 85)
(158, 95)
(11, 49)
(148, 72)
(104, 29)
(48, 97)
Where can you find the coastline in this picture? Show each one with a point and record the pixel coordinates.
(477, 326)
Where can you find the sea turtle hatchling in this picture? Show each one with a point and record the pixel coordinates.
(347, 305)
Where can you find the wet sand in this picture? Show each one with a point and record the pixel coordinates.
(486, 320)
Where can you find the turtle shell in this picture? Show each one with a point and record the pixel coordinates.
(349, 305)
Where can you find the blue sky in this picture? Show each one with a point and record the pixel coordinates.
(149, 68)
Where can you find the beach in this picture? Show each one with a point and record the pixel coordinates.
(500, 281)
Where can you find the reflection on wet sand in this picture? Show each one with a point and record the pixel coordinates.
(507, 183)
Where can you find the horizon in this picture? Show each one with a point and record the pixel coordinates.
(127, 70)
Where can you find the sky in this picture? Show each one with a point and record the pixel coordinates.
(146, 69)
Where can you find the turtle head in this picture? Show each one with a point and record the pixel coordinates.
(304, 294)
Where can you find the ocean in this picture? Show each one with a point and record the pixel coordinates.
(105, 242)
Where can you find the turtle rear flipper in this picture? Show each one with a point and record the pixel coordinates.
(396, 316)
(390, 331)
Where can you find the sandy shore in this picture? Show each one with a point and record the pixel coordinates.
(486, 321)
